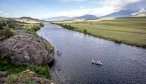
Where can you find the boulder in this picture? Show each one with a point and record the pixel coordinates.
(29, 48)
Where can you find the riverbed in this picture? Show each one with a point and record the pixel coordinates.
(122, 64)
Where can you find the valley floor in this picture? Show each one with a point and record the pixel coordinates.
(129, 30)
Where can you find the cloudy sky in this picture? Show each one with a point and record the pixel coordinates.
(53, 8)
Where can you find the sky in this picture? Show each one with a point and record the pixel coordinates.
(53, 8)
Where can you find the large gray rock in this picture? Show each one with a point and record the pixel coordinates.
(24, 47)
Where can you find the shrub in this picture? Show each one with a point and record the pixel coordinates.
(2, 24)
(33, 28)
(41, 24)
(7, 32)
(67, 26)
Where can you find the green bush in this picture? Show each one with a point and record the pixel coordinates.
(67, 26)
(85, 31)
(7, 32)
(33, 28)
(2, 24)
(41, 24)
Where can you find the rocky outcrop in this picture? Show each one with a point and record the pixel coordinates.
(29, 48)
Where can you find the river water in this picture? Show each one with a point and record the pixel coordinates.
(122, 64)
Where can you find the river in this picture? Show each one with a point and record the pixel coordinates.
(122, 64)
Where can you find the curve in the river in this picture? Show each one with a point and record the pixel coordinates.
(122, 64)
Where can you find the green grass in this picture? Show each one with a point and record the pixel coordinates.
(130, 30)
(6, 65)
(6, 33)
(32, 28)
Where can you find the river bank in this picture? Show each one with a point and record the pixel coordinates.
(130, 30)
(23, 53)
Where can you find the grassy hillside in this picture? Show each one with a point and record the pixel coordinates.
(9, 27)
(27, 20)
(129, 30)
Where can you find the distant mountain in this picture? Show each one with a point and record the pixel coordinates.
(61, 18)
(122, 13)
(127, 13)
(87, 17)
(141, 12)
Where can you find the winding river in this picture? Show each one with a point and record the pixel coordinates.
(122, 64)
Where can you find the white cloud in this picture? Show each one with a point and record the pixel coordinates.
(107, 7)
(93, 11)
(3, 13)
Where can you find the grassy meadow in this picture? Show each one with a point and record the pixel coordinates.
(129, 30)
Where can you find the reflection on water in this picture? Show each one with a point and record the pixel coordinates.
(122, 64)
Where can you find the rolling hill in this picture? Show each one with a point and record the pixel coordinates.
(63, 18)
(122, 13)
(87, 17)
(128, 13)
(141, 12)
